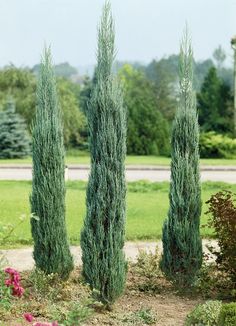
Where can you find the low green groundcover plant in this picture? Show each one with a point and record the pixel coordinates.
(144, 316)
(228, 315)
(206, 314)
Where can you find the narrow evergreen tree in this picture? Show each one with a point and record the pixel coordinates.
(102, 238)
(14, 138)
(215, 104)
(182, 247)
(51, 248)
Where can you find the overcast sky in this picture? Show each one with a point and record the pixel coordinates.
(145, 29)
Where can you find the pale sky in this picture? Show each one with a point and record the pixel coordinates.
(145, 29)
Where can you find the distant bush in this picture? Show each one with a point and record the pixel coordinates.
(213, 145)
(14, 138)
(147, 130)
(206, 314)
(228, 315)
(223, 219)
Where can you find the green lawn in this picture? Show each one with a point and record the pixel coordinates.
(81, 157)
(147, 205)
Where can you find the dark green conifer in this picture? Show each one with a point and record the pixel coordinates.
(51, 248)
(14, 138)
(102, 238)
(182, 246)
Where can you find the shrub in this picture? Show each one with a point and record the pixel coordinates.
(148, 271)
(213, 283)
(206, 314)
(216, 145)
(228, 315)
(223, 219)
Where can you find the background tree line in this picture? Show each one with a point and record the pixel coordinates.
(150, 97)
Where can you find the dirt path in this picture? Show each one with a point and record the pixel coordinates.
(21, 259)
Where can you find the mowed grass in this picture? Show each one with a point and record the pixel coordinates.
(82, 157)
(147, 206)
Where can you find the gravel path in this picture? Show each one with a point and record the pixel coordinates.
(21, 259)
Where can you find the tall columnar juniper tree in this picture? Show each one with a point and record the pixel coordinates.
(51, 248)
(182, 246)
(102, 237)
(14, 138)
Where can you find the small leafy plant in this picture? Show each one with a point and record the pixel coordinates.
(147, 269)
(147, 315)
(144, 316)
(5, 292)
(228, 315)
(78, 314)
(206, 314)
(44, 286)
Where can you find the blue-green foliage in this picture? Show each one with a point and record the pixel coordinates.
(51, 248)
(14, 138)
(102, 238)
(182, 247)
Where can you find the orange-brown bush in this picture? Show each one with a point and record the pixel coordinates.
(223, 219)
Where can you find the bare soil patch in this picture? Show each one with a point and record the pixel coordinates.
(170, 310)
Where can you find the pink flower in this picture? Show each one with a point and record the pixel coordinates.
(28, 317)
(18, 291)
(15, 277)
(14, 282)
(8, 282)
(10, 270)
